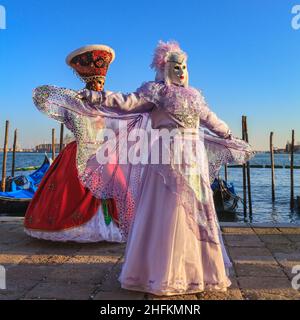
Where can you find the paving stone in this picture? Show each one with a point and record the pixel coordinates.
(103, 248)
(274, 238)
(110, 281)
(290, 230)
(265, 288)
(248, 282)
(288, 267)
(53, 248)
(266, 231)
(17, 289)
(44, 259)
(121, 294)
(240, 254)
(259, 270)
(8, 259)
(295, 256)
(297, 245)
(60, 291)
(281, 247)
(9, 237)
(21, 279)
(110, 288)
(80, 273)
(87, 259)
(237, 230)
(243, 240)
(293, 237)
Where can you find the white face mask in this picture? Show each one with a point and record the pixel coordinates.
(177, 71)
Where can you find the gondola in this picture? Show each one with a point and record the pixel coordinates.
(225, 198)
(20, 190)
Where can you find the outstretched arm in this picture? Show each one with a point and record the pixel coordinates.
(210, 120)
(58, 103)
(131, 102)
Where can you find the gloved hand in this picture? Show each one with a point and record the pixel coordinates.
(228, 135)
(93, 97)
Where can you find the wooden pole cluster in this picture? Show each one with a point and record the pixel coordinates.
(272, 165)
(292, 203)
(3, 184)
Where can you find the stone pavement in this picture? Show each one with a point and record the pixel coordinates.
(263, 259)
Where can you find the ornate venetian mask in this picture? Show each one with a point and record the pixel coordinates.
(96, 85)
(176, 68)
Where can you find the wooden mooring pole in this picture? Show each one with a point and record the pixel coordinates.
(61, 139)
(53, 144)
(14, 154)
(226, 172)
(244, 172)
(272, 165)
(248, 169)
(4, 156)
(292, 203)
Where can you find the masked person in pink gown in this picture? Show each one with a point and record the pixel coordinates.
(165, 203)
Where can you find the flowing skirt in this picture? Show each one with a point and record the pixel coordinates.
(64, 210)
(168, 252)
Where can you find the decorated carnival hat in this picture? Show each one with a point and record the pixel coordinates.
(91, 62)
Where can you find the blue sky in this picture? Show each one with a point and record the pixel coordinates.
(244, 55)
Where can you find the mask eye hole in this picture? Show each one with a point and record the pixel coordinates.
(184, 67)
(176, 68)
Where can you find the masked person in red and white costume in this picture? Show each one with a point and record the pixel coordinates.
(62, 208)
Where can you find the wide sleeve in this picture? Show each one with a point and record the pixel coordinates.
(59, 103)
(210, 120)
(132, 102)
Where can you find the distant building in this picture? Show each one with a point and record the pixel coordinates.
(288, 147)
(278, 150)
(47, 147)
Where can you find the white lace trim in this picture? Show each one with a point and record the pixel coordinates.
(94, 230)
(173, 288)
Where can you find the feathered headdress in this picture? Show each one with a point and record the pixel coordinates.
(161, 54)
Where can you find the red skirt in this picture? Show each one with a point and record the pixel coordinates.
(61, 201)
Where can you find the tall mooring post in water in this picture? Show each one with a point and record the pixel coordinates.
(272, 165)
(226, 172)
(5, 156)
(292, 201)
(53, 144)
(244, 175)
(14, 154)
(248, 169)
(61, 137)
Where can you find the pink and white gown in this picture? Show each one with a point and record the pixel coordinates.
(174, 243)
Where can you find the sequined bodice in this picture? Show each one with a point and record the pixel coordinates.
(185, 118)
(188, 118)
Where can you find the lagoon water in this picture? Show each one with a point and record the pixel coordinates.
(264, 211)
